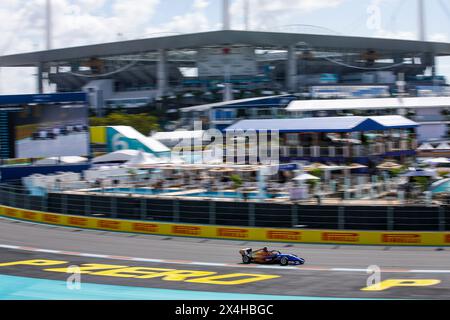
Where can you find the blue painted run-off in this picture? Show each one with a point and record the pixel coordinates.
(20, 288)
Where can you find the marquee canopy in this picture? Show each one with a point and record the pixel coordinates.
(326, 124)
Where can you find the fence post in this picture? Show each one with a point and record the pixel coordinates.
(143, 209)
(294, 214)
(87, 206)
(113, 207)
(13, 198)
(212, 212)
(64, 203)
(176, 211)
(341, 218)
(390, 219)
(251, 214)
(44, 203)
(441, 218)
(2, 195)
(27, 202)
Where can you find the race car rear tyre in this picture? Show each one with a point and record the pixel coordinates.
(246, 259)
(284, 261)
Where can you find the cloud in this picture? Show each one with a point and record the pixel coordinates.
(193, 20)
(201, 4)
(267, 14)
(439, 37)
(75, 23)
(304, 5)
(17, 81)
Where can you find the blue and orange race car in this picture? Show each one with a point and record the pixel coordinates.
(264, 256)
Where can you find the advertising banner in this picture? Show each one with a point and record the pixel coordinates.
(236, 233)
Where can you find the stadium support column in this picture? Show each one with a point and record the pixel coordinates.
(40, 78)
(430, 62)
(433, 65)
(291, 69)
(162, 73)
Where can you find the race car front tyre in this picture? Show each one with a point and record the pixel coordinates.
(284, 261)
(246, 259)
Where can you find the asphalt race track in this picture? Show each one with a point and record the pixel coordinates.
(127, 266)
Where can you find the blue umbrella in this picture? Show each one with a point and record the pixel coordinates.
(420, 173)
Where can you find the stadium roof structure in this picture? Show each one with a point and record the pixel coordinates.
(367, 104)
(326, 124)
(226, 38)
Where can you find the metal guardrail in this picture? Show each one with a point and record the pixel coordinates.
(232, 213)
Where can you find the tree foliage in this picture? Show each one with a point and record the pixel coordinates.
(143, 122)
(317, 173)
(237, 181)
(423, 182)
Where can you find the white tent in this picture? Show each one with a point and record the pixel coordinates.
(142, 158)
(425, 147)
(305, 177)
(436, 161)
(443, 146)
(117, 156)
(61, 160)
(176, 160)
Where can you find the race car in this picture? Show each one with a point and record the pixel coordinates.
(265, 256)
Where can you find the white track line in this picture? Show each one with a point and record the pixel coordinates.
(349, 270)
(430, 271)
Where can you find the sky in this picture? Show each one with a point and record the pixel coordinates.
(82, 22)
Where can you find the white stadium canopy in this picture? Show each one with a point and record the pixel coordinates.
(367, 104)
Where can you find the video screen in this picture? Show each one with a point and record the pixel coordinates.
(51, 130)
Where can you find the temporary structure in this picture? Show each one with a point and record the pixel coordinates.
(355, 166)
(313, 166)
(305, 177)
(120, 156)
(142, 158)
(443, 146)
(437, 161)
(425, 147)
(421, 173)
(221, 170)
(389, 165)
